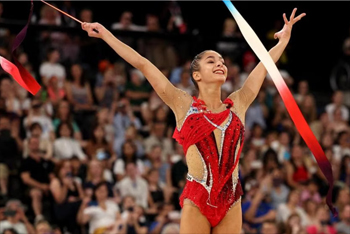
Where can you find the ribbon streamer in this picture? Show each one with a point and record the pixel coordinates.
(19, 73)
(293, 109)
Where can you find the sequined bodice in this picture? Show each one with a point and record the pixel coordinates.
(214, 159)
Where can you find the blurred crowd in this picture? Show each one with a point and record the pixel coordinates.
(93, 151)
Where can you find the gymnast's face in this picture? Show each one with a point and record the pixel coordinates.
(212, 69)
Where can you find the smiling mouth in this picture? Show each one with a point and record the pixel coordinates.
(219, 72)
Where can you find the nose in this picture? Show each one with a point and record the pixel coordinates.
(219, 64)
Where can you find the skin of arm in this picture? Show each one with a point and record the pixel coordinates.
(155, 77)
(252, 85)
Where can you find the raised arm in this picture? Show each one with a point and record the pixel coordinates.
(163, 87)
(252, 85)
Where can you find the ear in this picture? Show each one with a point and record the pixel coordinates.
(196, 76)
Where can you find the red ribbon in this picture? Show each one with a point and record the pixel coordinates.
(18, 72)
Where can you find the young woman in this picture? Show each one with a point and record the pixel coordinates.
(211, 131)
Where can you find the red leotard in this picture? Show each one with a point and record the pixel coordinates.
(220, 188)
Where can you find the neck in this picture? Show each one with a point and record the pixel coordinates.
(12, 220)
(211, 96)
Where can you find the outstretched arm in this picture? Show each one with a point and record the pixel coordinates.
(163, 87)
(252, 85)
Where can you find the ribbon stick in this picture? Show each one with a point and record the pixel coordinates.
(19, 73)
(293, 109)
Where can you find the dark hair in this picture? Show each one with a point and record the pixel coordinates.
(58, 134)
(93, 138)
(343, 166)
(97, 186)
(133, 157)
(13, 231)
(83, 79)
(35, 125)
(195, 66)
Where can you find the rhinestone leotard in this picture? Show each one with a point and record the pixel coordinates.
(218, 188)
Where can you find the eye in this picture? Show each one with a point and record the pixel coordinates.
(210, 61)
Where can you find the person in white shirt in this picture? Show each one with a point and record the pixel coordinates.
(52, 68)
(133, 185)
(65, 146)
(101, 213)
(36, 115)
(16, 219)
(337, 102)
(284, 210)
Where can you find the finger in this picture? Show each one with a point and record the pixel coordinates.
(285, 18)
(299, 18)
(293, 14)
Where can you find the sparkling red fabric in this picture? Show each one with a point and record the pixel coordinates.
(219, 193)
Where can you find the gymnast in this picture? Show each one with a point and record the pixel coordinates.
(211, 131)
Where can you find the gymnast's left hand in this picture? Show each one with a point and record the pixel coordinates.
(285, 33)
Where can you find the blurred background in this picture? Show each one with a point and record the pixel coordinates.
(93, 151)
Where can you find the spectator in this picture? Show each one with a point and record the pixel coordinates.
(135, 222)
(36, 174)
(97, 174)
(322, 222)
(344, 172)
(54, 91)
(51, 67)
(230, 42)
(157, 137)
(337, 102)
(49, 16)
(37, 115)
(128, 155)
(308, 108)
(9, 153)
(134, 185)
(297, 171)
(269, 227)
(311, 192)
(185, 82)
(292, 206)
(341, 146)
(279, 191)
(338, 124)
(101, 213)
(293, 224)
(42, 227)
(78, 90)
(106, 88)
(16, 218)
(124, 117)
(67, 194)
(99, 148)
(86, 15)
(45, 145)
(137, 90)
(303, 91)
(64, 114)
(154, 161)
(156, 194)
(344, 225)
(105, 119)
(65, 146)
(130, 135)
(7, 91)
(310, 207)
(256, 210)
(125, 23)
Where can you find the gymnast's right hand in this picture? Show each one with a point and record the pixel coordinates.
(94, 29)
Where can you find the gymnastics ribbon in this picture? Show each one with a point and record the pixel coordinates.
(293, 109)
(18, 72)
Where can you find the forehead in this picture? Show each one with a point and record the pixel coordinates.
(211, 53)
